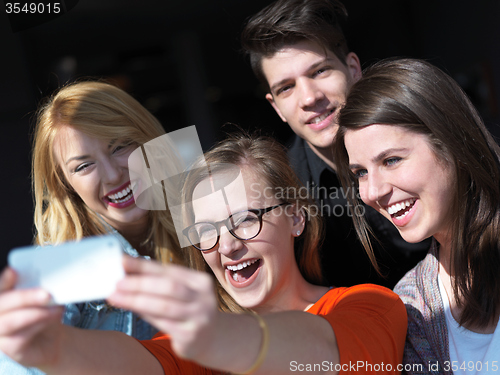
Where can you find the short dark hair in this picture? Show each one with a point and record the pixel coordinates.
(287, 22)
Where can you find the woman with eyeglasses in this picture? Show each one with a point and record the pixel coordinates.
(251, 302)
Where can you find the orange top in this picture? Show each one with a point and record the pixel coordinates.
(369, 322)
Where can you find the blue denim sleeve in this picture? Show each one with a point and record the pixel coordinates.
(100, 315)
(72, 314)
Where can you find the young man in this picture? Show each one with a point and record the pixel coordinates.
(298, 50)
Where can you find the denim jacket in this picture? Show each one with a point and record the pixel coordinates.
(92, 315)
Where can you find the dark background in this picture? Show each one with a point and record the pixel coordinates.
(181, 60)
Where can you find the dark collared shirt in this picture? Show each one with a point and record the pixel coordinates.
(343, 258)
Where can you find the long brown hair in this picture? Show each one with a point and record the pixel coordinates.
(99, 110)
(418, 96)
(268, 159)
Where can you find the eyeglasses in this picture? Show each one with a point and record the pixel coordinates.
(243, 225)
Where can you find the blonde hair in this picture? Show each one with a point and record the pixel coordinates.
(99, 110)
(267, 158)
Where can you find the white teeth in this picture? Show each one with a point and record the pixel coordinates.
(318, 119)
(400, 206)
(117, 198)
(240, 266)
(402, 216)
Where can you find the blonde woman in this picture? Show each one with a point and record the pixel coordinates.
(83, 138)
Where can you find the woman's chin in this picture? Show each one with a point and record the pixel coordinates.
(410, 237)
(246, 301)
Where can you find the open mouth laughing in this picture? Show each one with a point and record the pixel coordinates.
(401, 209)
(241, 272)
(123, 197)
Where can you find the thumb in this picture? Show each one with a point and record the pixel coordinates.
(8, 279)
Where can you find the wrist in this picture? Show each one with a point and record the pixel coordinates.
(264, 346)
(236, 345)
(54, 353)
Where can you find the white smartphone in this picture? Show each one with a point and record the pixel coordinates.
(72, 272)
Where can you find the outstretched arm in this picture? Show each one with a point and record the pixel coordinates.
(182, 303)
(367, 322)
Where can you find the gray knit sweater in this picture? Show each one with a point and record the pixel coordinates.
(426, 348)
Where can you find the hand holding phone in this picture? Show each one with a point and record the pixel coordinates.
(73, 271)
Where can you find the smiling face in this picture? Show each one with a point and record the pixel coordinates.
(261, 271)
(307, 89)
(97, 170)
(400, 176)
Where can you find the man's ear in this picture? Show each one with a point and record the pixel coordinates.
(354, 66)
(271, 101)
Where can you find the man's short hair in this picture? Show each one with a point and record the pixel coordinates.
(286, 22)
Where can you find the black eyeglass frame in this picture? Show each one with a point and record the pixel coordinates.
(259, 212)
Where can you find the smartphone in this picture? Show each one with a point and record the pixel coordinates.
(71, 272)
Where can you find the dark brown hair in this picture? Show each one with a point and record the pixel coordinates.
(287, 22)
(418, 96)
